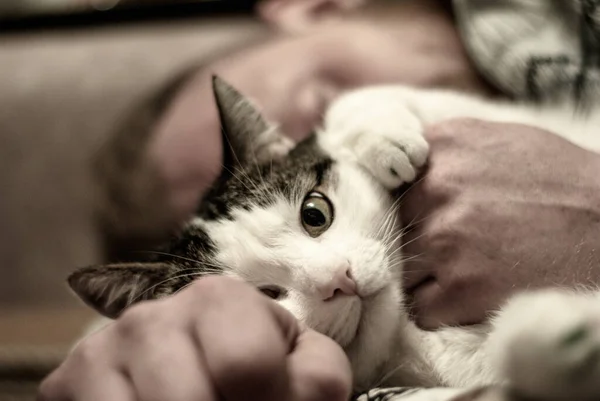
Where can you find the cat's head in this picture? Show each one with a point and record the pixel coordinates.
(314, 233)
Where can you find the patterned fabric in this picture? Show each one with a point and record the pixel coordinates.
(538, 50)
(410, 394)
(491, 393)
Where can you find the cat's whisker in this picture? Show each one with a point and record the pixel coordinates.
(245, 175)
(395, 252)
(390, 217)
(392, 240)
(234, 175)
(418, 237)
(387, 375)
(395, 206)
(413, 185)
(183, 288)
(391, 223)
(401, 247)
(230, 144)
(412, 224)
(238, 163)
(171, 255)
(399, 263)
(390, 243)
(411, 258)
(258, 169)
(412, 221)
(204, 265)
(140, 295)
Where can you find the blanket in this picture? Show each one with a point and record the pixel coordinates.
(543, 51)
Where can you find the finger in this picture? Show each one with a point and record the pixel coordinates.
(89, 383)
(169, 367)
(159, 355)
(104, 385)
(319, 369)
(245, 339)
(53, 388)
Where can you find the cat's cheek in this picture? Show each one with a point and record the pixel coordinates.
(370, 266)
(295, 307)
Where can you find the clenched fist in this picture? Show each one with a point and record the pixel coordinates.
(219, 339)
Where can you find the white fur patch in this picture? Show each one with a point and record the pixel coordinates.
(269, 247)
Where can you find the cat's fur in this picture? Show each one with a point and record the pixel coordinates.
(249, 226)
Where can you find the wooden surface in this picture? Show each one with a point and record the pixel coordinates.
(42, 327)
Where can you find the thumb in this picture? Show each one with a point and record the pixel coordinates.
(319, 369)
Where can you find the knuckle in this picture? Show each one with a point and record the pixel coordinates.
(440, 130)
(445, 238)
(442, 183)
(330, 385)
(217, 287)
(139, 320)
(86, 352)
(48, 389)
(449, 129)
(256, 366)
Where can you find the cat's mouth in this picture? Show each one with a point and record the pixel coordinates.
(348, 318)
(367, 295)
(356, 322)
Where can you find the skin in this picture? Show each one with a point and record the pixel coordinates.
(503, 208)
(207, 359)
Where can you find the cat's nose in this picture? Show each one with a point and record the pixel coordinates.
(342, 283)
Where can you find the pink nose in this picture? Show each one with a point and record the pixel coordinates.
(341, 283)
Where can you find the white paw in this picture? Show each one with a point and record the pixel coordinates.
(392, 147)
(548, 345)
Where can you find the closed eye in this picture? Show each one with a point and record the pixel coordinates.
(273, 291)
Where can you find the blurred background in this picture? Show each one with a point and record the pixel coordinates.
(29, 8)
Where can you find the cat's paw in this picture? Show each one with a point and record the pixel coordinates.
(547, 344)
(391, 147)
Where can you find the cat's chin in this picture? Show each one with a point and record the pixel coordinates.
(375, 334)
(376, 307)
(352, 316)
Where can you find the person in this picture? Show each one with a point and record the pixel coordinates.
(481, 198)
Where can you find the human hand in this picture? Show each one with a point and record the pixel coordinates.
(502, 207)
(217, 340)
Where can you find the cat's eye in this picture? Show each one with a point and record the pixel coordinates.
(316, 214)
(272, 292)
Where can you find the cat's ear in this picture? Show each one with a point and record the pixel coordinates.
(247, 137)
(110, 289)
(153, 170)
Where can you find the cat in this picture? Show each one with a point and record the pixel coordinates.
(315, 227)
